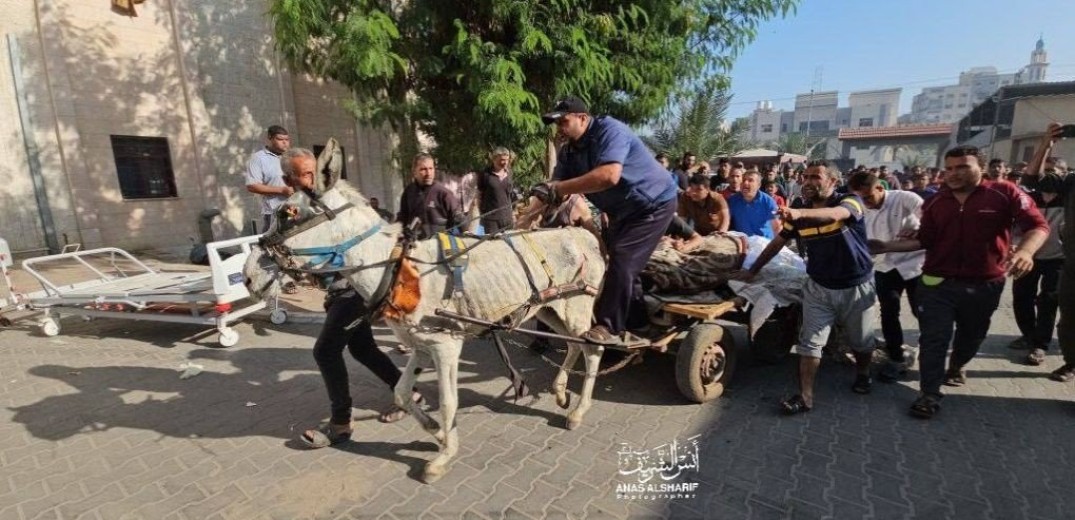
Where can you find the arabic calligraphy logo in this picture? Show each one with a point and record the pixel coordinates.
(667, 462)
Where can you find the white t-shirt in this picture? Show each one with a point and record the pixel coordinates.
(899, 214)
(264, 168)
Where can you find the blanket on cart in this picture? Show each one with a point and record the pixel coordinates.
(706, 268)
(702, 269)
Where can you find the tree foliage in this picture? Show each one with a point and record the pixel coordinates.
(474, 74)
(801, 144)
(698, 123)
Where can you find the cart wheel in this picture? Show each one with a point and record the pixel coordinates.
(50, 327)
(773, 341)
(278, 317)
(705, 362)
(228, 337)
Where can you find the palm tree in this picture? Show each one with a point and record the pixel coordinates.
(800, 144)
(916, 155)
(697, 123)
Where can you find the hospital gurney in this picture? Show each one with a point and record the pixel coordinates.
(126, 288)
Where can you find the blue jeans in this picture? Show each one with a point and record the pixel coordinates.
(966, 305)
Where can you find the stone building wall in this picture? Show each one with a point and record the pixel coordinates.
(200, 73)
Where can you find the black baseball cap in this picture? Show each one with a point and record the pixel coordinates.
(568, 105)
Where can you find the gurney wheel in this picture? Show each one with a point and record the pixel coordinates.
(705, 362)
(50, 327)
(228, 338)
(278, 317)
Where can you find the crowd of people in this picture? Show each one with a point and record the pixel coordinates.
(944, 237)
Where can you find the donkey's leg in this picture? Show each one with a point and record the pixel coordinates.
(446, 360)
(404, 392)
(576, 319)
(592, 358)
(559, 384)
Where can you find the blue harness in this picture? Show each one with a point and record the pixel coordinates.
(332, 256)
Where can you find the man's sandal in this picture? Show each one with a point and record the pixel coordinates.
(925, 407)
(1063, 374)
(600, 335)
(396, 413)
(324, 437)
(955, 377)
(795, 405)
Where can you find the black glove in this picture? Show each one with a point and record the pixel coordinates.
(546, 193)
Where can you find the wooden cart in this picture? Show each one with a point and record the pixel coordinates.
(705, 350)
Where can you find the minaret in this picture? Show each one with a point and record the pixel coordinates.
(1035, 72)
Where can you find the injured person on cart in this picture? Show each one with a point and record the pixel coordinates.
(689, 268)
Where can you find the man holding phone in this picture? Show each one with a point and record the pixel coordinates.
(1034, 296)
(1056, 186)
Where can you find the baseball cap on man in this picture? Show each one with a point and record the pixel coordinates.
(568, 105)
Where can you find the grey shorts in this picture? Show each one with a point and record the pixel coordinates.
(849, 308)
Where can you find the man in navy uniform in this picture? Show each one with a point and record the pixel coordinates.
(607, 162)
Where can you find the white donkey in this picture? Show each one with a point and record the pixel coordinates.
(496, 285)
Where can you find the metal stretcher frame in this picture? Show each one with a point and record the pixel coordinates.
(145, 294)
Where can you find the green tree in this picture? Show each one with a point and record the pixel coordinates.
(801, 144)
(474, 74)
(916, 155)
(698, 123)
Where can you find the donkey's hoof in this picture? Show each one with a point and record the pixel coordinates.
(573, 424)
(433, 473)
(563, 400)
(433, 427)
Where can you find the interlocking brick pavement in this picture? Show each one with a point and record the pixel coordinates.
(98, 425)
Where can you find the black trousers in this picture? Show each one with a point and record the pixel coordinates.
(494, 226)
(1035, 301)
(1065, 330)
(343, 309)
(966, 305)
(630, 243)
(890, 288)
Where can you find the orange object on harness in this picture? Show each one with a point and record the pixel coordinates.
(406, 292)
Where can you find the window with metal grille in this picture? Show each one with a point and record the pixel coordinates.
(343, 153)
(144, 167)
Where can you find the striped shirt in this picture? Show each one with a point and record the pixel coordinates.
(836, 252)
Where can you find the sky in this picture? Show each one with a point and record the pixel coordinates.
(870, 44)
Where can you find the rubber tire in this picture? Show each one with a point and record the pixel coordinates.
(228, 338)
(278, 317)
(689, 359)
(50, 327)
(773, 341)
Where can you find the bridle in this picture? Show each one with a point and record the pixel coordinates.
(324, 260)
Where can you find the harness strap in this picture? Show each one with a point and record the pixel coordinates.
(526, 268)
(327, 214)
(333, 256)
(541, 258)
(518, 385)
(456, 258)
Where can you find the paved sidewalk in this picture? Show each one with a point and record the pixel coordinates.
(98, 425)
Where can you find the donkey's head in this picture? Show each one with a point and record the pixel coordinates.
(315, 227)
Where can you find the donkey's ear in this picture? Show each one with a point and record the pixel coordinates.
(329, 165)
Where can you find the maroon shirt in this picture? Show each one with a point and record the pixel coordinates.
(971, 240)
